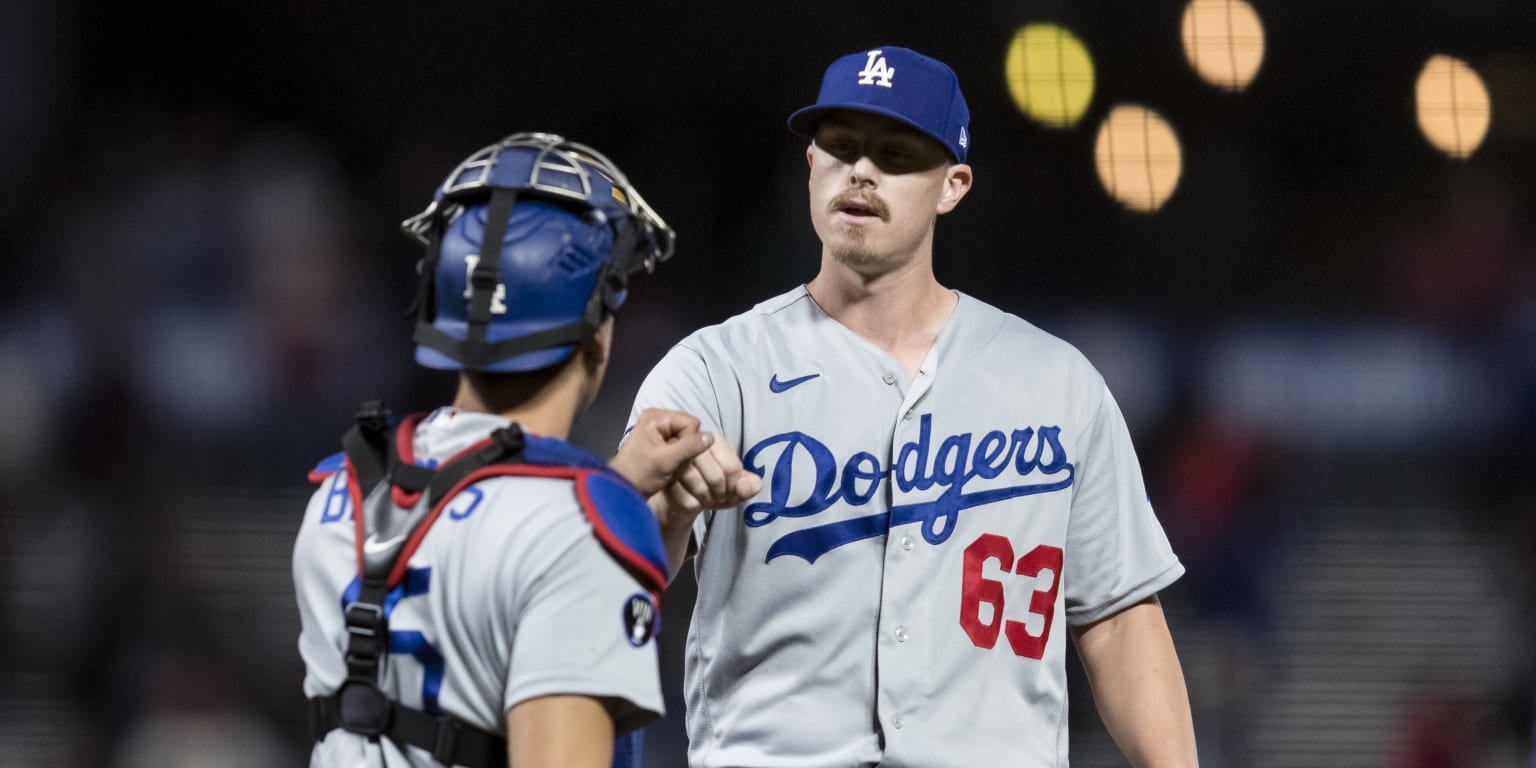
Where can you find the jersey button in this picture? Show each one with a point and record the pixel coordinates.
(901, 634)
(889, 377)
(907, 415)
(906, 543)
(896, 720)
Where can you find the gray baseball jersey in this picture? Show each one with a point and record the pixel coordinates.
(509, 597)
(899, 591)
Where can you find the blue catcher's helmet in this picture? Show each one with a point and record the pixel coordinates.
(571, 230)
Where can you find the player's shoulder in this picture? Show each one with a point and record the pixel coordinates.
(998, 330)
(993, 335)
(617, 514)
(327, 466)
(614, 512)
(770, 316)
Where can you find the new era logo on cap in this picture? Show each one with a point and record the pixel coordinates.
(898, 83)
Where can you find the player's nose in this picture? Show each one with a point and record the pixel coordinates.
(863, 172)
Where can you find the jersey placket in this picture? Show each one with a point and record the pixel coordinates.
(903, 647)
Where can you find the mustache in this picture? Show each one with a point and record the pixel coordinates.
(864, 198)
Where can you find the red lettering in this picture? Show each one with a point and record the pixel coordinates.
(977, 590)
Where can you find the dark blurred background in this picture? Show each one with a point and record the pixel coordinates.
(1324, 340)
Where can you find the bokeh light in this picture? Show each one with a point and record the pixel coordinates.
(1223, 41)
(1138, 157)
(1453, 106)
(1049, 74)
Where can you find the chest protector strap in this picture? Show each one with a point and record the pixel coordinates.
(393, 534)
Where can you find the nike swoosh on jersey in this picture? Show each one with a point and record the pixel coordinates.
(372, 546)
(782, 386)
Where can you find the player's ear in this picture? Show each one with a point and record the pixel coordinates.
(957, 182)
(596, 350)
(808, 150)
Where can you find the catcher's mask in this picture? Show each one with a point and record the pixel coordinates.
(570, 229)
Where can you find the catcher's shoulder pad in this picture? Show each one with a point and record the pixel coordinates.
(328, 466)
(619, 516)
(625, 525)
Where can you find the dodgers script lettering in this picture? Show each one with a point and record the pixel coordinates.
(1034, 456)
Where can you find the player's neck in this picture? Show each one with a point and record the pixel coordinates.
(549, 412)
(900, 312)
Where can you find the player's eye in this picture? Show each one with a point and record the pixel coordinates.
(841, 149)
(898, 159)
(906, 157)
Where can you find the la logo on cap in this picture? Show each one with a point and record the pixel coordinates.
(875, 71)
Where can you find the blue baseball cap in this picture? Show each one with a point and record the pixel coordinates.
(898, 83)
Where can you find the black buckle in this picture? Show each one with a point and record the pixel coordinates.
(364, 709)
(366, 620)
(483, 276)
(367, 635)
(510, 440)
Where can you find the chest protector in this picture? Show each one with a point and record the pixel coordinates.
(395, 503)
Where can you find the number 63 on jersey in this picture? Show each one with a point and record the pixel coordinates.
(984, 609)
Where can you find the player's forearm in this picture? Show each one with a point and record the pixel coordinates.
(1139, 688)
(676, 523)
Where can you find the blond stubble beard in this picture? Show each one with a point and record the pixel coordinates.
(852, 251)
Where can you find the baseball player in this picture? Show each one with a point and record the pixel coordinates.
(949, 494)
(474, 590)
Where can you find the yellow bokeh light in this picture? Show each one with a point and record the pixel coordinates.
(1138, 157)
(1453, 106)
(1223, 41)
(1049, 74)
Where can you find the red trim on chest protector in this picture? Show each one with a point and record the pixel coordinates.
(354, 491)
(405, 451)
(605, 535)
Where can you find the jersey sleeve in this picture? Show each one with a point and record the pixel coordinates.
(683, 381)
(321, 567)
(1117, 553)
(587, 628)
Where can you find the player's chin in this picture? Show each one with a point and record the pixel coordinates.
(856, 257)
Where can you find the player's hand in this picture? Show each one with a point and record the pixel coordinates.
(714, 479)
(658, 448)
